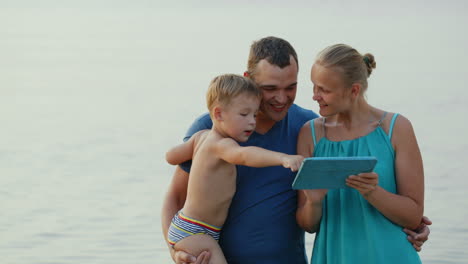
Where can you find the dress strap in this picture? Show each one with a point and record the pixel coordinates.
(392, 123)
(381, 119)
(312, 128)
(324, 128)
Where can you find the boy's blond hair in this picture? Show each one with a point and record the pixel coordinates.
(225, 87)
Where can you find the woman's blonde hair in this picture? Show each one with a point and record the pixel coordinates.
(354, 67)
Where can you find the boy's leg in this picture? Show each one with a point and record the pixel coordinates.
(196, 244)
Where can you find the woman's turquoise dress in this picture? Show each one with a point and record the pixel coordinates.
(352, 230)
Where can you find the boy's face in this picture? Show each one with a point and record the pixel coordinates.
(238, 118)
(278, 86)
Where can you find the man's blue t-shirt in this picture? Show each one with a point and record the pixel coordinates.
(261, 225)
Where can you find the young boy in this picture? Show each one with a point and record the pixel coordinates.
(233, 102)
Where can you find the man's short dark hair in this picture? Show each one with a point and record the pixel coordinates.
(276, 51)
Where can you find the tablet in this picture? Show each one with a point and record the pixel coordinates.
(330, 172)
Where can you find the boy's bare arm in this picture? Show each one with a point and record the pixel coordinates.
(182, 152)
(230, 151)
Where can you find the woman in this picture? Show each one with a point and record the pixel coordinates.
(363, 223)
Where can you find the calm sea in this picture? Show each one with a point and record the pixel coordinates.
(93, 94)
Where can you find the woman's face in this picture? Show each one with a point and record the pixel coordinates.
(330, 91)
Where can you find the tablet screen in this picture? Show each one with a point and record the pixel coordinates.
(330, 172)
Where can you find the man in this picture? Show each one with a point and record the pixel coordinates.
(261, 226)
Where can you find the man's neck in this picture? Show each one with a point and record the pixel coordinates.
(264, 124)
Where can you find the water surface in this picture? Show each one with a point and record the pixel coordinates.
(92, 94)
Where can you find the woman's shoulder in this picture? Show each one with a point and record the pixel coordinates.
(316, 123)
(401, 125)
(394, 121)
(398, 128)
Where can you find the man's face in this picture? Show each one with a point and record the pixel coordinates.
(278, 88)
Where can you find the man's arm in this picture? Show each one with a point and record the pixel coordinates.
(420, 235)
(174, 201)
(175, 198)
(177, 193)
